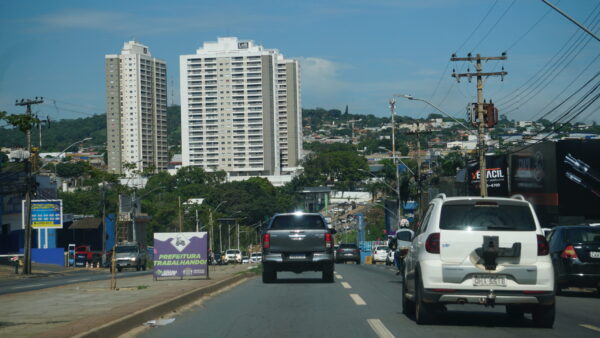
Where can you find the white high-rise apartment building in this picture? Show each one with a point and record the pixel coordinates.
(240, 109)
(136, 110)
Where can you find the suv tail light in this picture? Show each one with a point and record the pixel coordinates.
(542, 244)
(569, 252)
(328, 241)
(266, 241)
(432, 244)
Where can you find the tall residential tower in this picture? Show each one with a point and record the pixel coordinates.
(240, 109)
(136, 110)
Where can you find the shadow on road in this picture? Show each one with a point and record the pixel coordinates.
(300, 281)
(454, 317)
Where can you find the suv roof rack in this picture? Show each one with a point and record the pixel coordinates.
(518, 197)
(441, 195)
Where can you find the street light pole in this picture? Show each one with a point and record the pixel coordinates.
(392, 106)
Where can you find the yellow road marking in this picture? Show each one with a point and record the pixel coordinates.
(346, 285)
(591, 327)
(379, 328)
(357, 299)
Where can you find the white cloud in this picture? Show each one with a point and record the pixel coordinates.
(320, 77)
(128, 23)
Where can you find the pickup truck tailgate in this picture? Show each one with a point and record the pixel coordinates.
(298, 240)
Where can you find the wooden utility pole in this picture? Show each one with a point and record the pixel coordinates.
(480, 110)
(29, 185)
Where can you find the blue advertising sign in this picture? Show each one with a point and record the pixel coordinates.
(180, 254)
(45, 214)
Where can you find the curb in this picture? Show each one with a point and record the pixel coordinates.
(125, 324)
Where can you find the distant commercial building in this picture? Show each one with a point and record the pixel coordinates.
(240, 109)
(136, 105)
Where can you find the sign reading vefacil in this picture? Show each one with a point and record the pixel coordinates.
(180, 254)
(45, 214)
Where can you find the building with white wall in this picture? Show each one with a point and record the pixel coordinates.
(240, 109)
(136, 105)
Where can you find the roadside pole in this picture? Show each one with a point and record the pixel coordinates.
(29, 182)
(480, 109)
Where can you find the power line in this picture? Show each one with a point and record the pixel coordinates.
(494, 26)
(544, 69)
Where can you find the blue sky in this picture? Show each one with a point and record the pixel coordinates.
(352, 52)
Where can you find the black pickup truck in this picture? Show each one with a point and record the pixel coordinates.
(297, 242)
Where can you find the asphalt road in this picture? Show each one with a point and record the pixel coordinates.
(364, 301)
(81, 276)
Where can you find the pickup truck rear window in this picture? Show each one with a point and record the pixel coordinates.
(284, 222)
(489, 217)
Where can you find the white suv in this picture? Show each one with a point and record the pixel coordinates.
(488, 251)
(233, 256)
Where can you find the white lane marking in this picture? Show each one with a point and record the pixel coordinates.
(26, 286)
(357, 299)
(379, 328)
(339, 276)
(346, 285)
(591, 327)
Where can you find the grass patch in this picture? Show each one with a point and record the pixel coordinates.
(142, 287)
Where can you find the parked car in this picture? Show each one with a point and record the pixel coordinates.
(256, 257)
(245, 259)
(347, 252)
(380, 253)
(479, 250)
(297, 242)
(233, 256)
(575, 253)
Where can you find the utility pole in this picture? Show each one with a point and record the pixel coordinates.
(394, 159)
(418, 133)
(480, 109)
(180, 220)
(29, 185)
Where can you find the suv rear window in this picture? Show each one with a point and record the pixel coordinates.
(485, 216)
(297, 222)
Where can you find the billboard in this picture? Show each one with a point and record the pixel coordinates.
(180, 254)
(45, 214)
(496, 174)
(578, 177)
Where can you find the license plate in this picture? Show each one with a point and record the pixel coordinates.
(595, 254)
(347, 254)
(297, 256)
(489, 280)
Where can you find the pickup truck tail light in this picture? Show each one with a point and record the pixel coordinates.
(542, 244)
(432, 244)
(328, 241)
(569, 252)
(266, 239)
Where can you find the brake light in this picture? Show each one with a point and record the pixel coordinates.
(432, 244)
(542, 244)
(569, 252)
(266, 241)
(328, 240)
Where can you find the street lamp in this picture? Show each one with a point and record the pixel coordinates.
(396, 190)
(410, 97)
(399, 160)
(211, 221)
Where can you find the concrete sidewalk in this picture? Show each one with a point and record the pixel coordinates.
(92, 309)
